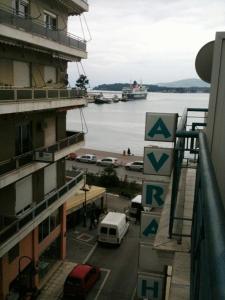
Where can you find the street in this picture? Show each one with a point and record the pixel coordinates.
(118, 264)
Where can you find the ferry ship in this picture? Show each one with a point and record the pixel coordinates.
(134, 92)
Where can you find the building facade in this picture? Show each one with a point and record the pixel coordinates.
(35, 48)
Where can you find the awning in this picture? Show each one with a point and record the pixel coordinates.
(75, 202)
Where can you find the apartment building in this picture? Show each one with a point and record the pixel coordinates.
(35, 48)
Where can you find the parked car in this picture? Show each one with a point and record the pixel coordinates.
(108, 161)
(80, 280)
(135, 166)
(87, 158)
(72, 156)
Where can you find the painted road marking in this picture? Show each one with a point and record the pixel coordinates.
(90, 253)
(103, 283)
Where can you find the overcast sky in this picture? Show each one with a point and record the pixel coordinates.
(146, 40)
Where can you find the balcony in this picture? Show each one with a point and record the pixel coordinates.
(19, 228)
(77, 6)
(37, 33)
(20, 166)
(14, 100)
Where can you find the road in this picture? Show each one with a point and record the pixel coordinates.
(118, 264)
(122, 263)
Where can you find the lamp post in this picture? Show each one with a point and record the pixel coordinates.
(85, 188)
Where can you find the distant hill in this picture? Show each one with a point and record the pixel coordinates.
(185, 83)
(159, 88)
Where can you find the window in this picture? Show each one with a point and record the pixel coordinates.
(50, 20)
(23, 138)
(21, 7)
(104, 230)
(112, 231)
(49, 224)
(13, 253)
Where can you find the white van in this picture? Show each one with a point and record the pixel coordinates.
(113, 228)
(135, 205)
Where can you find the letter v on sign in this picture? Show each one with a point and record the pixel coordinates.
(157, 164)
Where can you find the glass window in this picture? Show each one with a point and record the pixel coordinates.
(21, 7)
(104, 230)
(54, 220)
(23, 138)
(50, 20)
(49, 257)
(49, 224)
(112, 231)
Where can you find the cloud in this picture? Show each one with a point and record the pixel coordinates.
(155, 40)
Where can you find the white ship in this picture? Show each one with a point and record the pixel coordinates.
(134, 92)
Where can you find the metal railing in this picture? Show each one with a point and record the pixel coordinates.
(208, 232)
(20, 160)
(23, 94)
(30, 216)
(27, 23)
(186, 150)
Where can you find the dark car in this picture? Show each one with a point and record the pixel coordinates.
(80, 280)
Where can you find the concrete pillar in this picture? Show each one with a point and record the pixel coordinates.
(63, 231)
(36, 255)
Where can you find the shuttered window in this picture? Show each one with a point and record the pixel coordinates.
(23, 194)
(21, 74)
(50, 183)
(50, 74)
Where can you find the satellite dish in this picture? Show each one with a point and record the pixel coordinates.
(203, 62)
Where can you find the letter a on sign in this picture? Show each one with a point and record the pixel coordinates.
(160, 127)
(151, 229)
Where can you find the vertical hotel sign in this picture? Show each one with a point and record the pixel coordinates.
(159, 127)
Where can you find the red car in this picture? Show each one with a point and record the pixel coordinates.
(72, 156)
(80, 280)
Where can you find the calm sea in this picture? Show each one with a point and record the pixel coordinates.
(117, 126)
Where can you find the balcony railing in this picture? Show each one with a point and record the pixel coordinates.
(208, 232)
(17, 225)
(19, 161)
(186, 151)
(8, 16)
(32, 94)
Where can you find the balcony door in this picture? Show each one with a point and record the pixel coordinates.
(21, 74)
(21, 7)
(50, 20)
(23, 138)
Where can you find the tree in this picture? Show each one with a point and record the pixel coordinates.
(81, 82)
(109, 177)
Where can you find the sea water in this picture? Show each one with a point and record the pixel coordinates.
(115, 127)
